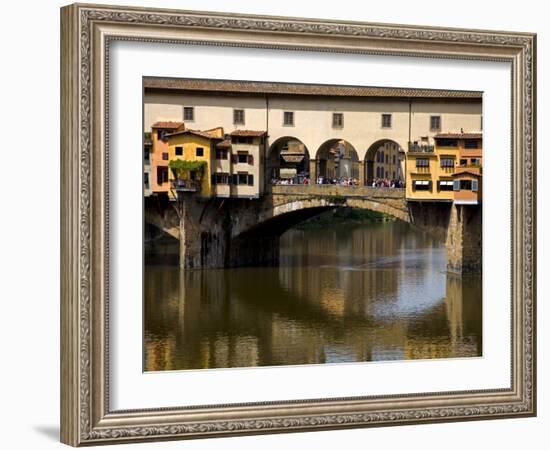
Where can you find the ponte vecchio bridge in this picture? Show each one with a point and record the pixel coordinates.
(236, 232)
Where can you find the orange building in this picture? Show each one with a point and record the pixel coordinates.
(467, 174)
(160, 155)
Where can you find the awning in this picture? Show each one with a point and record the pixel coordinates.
(446, 183)
(421, 183)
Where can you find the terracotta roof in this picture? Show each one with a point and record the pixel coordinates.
(459, 135)
(226, 143)
(260, 87)
(204, 134)
(466, 172)
(168, 125)
(248, 133)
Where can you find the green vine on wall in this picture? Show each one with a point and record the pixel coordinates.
(182, 168)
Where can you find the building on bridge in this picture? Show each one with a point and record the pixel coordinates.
(211, 163)
(159, 156)
(316, 118)
(449, 171)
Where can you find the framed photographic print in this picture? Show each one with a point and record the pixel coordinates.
(281, 224)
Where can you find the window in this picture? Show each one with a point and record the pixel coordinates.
(220, 178)
(481, 123)
(188, 113)
(179, 151)
(161, 134)
(238, 116)
(241, 158)
(146, 180)
(162, 174)
(165, 156)
(471, 143)
(444, 142)
(146, 156)
(387, 156)
(445, 185)
(393, 174)
(199, 151)
(337, 120)
(422, 185)
(447, 162)
(463, 162)
(242, 140)
(242, 178)
(435, 123)
(475, 162)
(422, 162)
(465, 185)
(386, 120)
(221, 153)
(288, 118)
(394, 159)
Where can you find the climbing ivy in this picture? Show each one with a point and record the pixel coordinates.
(181, 168)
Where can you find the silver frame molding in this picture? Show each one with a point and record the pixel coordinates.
(86, 32)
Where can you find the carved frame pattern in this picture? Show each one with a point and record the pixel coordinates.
(86, 418)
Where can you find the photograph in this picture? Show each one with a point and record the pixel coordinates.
(293, 223)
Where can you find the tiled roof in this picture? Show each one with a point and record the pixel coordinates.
(167, 125)
(467, 172)
(459, 135)
(248, 133)
(226, 143)
(260, 87)
(204, 134)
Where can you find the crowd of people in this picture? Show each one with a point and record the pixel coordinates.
(385, 182)
(342, 181)
(295, 180)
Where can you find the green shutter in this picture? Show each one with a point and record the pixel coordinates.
(474, 185)
(456, 185)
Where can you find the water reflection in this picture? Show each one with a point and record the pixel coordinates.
(341, 294)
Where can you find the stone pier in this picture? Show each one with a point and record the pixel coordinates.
(245, 232)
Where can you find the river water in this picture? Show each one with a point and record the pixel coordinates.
(373, 291)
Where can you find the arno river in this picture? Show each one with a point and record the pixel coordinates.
(350, 292)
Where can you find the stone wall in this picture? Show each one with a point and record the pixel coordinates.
(234, 232)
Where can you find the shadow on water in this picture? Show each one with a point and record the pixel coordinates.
(369, 292)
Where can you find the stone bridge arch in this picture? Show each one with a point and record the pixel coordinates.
(289, 208)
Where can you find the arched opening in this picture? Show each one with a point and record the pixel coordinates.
(336, 162)
(288, 161)
(384, 164)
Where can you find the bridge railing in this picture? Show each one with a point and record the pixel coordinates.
(335, 189)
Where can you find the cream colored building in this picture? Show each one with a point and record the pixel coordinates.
(366, 118)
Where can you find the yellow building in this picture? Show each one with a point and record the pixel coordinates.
(431, 170)
(192, 147)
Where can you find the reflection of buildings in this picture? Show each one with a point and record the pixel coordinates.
(321, 305)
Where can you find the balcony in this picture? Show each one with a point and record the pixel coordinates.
(472, 168)
(420, 148)
(185, 186)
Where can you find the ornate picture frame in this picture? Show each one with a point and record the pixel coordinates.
(86, 34)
